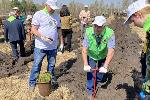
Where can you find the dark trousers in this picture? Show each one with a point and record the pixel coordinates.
(15, 53)
(67, 33)
(143, 63)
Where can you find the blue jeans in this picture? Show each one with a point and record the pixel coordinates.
(90, 75)
(39, 55)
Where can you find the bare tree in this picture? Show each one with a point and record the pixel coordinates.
(75, 8)
(125, 4)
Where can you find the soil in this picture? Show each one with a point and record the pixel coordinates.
(120, 84)
(124, 68)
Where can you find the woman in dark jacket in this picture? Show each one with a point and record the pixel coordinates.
(66, 22)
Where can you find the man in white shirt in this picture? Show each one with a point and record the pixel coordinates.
(44, 27)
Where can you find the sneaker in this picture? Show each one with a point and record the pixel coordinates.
(54, 84)
(53, 81)
(31, 88)
(69, 50)
(59, 53)
(14, 61)
(90, 97)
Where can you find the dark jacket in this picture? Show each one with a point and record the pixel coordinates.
(14, 30)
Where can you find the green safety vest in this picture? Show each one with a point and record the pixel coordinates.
(147, 30)
(11, 18)
(45, 10)
(98, 52)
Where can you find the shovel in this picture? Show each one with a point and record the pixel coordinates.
(95, 73)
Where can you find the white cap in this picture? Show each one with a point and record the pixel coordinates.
(29, 17)
(15, 8)
(52, 4)
(99, 20)
(134, 7)
(12, 14)
(86, 6)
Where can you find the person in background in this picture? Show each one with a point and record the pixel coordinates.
(44, 27)
(29, 33)
(18, 14)
(15, 34)
(97, 51)
(139, 13)
(84, 16)
(66, 22)
(28, 25)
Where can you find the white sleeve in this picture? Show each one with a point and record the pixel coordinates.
(57, 18)
(35, 19)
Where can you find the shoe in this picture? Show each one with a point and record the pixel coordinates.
(90, 97)
(14, 61)
(69, 50)
(59, 53)
(31, 88)
(54, 81)
(54, 84)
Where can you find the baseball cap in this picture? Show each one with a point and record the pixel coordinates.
(99, 20)
(52, 4)
(15, 8)
(134, 7)
(86, 6)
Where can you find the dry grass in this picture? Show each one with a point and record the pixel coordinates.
(15, 87)
(63, 93)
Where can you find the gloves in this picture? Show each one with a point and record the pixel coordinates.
(49, 40)
(103, 69)
(87, 68)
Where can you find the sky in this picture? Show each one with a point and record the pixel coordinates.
(116, 2)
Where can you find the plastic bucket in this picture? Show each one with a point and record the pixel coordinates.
(44, 89)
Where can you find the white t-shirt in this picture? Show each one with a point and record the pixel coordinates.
(47, 25)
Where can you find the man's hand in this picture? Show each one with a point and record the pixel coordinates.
(103, 69)
(87, 68)
(49, 40)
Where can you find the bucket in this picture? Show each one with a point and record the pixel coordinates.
(44, 89)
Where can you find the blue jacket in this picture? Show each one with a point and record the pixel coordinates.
(14, 31)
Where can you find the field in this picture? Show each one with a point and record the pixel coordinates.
(121, 81)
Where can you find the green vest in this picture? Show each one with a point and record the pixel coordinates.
(11, 18)
(147, 30)
(98, 52)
